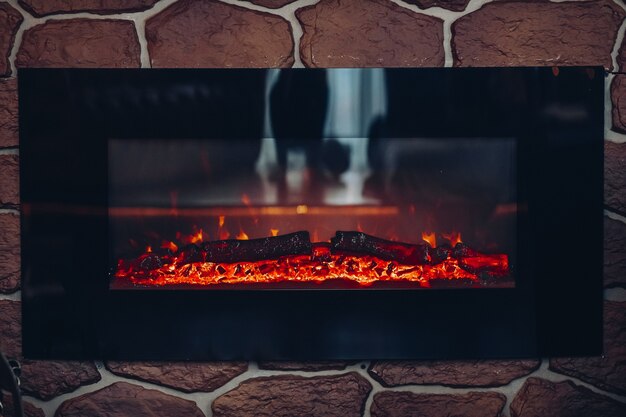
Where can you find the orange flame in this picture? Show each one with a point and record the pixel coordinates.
(169, 245)
(453, 237)
(430, 238)
(245, 199)
(196, 237)
(242, 235)
(148, 249)
(274, 232)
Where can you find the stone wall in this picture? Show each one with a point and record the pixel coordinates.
(320, 33)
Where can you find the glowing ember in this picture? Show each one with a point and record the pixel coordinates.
(324, 262)
(430, 238)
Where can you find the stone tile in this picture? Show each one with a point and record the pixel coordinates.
(11, 328)
(290, 395)
(522, 33)
(80, 43)
(8, 112)
(271, 4)
(408, 404)
(9, 181)
(455, 5)
(208, 33)
(608, 371)
(615, 175)
(618, 99)
(303, 366)
(9, 252)
(124, 400)
(541, 398)
(377, 33)
(48, 379)
(10, 21)
(614, 253)
(183, 376)
(485, 373)
(48, 7)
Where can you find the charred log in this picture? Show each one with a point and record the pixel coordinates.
(360, 243)
(230, 251)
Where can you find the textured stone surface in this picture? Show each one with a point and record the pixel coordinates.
(541, 398)
(207, 33)
(408, 404)
(122, 399)
(80, 43)
(9, 252)
(618, 98)
(8, 112)
(614, 253)
(609, 370)
(9, 184)
(303, 366)
(10, 328)
(187, 377)
(290, 395)
(525, 33)
(29, 409)
(456, 5)
(353, 33)
(10, 20)
(47, 7)
(615, 175)
(621, 56)
(452, 373)
(272, 4)
(49, 379)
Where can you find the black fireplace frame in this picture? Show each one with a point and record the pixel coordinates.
(66, 116)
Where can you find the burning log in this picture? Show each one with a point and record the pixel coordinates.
(481, 263)
(230, 251)
(358, 242)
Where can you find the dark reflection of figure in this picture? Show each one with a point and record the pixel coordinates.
(298, 106)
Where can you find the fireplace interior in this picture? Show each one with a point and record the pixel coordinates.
(159, 205)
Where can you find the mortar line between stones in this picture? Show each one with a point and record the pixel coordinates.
(14, 296)
(619, 38)
(544, 372)
(615, 216)
(9, 151)
(617, 294)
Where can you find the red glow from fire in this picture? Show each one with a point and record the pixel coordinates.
(187, 266)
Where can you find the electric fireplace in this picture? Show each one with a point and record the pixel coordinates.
(311, 214)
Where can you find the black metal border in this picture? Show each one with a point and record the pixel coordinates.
(66, 116)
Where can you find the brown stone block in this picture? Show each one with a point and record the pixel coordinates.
(618, 99)
(184, 376)
(48, 379)
(11, 328)
(208, 33)
(271, 4)
(615, 175)
(455, 5)
(80, 43)
(408, 404)
(452, 373)
(303, 366)
(376, 33)
(123, 399)
(8, 112)
(614, 253)
(9, 181)
(290, 395)
(541, 398)
(48, 7)
(9, 252)
(10, 21)
(609, 370)
(522, 33)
